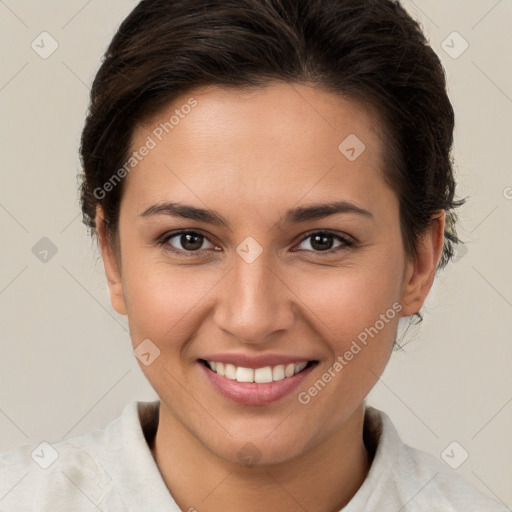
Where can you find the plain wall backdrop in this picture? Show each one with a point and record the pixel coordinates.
(66, 363)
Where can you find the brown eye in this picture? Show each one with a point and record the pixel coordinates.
(191, 241)
(322, 241)
(185, 241)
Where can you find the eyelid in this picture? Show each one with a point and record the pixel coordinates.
(347, 240)
(167, 236)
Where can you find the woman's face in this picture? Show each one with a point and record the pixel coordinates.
(261, 282)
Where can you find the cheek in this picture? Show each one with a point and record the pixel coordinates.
(163, 300)
(347, 300)
(357, 316)
(162, 297)
(356, 311)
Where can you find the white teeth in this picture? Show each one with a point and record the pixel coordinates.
(278, 372)
(289, 370)
(230, 371)
(262, 375)
(244, 374)
(299, 367)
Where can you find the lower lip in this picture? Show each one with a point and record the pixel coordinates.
(252, 393)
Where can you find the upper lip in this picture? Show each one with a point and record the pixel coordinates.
(259, 361)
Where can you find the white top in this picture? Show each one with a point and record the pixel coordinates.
(113, 468)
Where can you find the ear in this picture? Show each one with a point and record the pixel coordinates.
(420, 272)
(111, 264)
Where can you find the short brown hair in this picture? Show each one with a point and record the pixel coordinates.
(370, 51)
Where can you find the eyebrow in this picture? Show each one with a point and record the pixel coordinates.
(292, 216)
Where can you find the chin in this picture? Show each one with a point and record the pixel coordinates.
(253, 455)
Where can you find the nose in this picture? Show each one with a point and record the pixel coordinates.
(255, 302)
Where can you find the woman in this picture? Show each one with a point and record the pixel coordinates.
(271, 188)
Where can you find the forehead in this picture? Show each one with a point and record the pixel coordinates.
(282, 111)
(280, 142)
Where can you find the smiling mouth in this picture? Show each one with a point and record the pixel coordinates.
(263, 375)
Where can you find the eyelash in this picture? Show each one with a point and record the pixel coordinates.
(347, 242)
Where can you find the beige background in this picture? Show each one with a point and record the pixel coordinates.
(66, 363)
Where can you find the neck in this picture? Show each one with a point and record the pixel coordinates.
(323, 479)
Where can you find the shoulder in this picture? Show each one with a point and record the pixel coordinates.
(413, 479)
(437, 484)
(72, 473)
(47, 476)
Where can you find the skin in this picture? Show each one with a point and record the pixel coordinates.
(250, 156)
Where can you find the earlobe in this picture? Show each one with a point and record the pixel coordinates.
(421, 271)
(111, 265)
